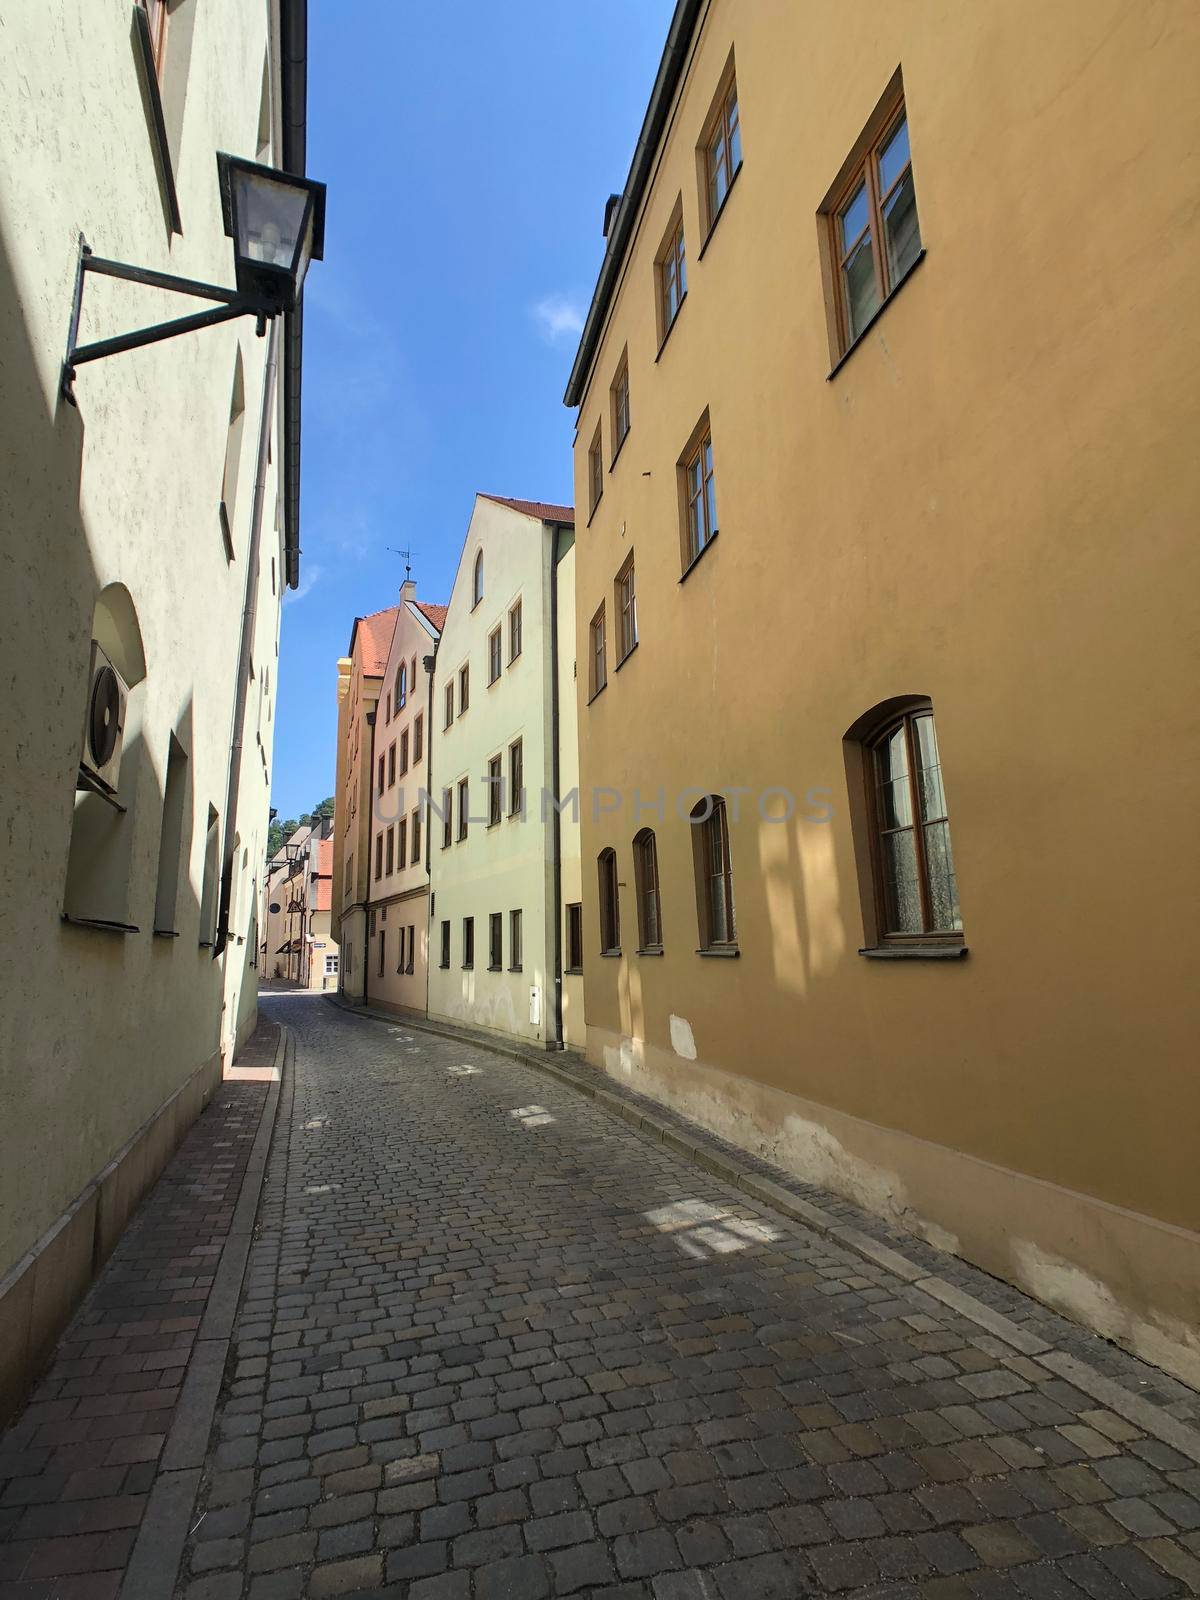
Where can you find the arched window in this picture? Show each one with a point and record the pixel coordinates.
(645, 874)
(714, 876)
(477, 586)
(610, 911)
(905, 853)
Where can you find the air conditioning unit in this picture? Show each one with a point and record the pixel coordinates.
(104, 724)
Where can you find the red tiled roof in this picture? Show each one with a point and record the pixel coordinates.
(325, 874)
(377, 630)
(542, 509)
(436, 614)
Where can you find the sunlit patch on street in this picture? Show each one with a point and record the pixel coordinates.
(701, 1229)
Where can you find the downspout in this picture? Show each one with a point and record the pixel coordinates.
(556, 825)
(247, 647)
(367, 896)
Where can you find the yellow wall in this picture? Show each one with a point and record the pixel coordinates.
(993, 503)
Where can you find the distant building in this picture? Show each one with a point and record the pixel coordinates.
(398, 921)
(502, 856)
(148, 532)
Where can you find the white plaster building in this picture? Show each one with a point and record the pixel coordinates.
(498, 843)
(151, 526)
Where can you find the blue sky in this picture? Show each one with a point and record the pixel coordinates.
(468, 150)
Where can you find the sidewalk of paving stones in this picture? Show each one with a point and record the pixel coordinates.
(84, 1497)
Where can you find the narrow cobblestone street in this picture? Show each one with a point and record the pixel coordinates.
(494, 1344)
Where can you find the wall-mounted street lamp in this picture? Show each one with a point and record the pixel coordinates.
(277, 224)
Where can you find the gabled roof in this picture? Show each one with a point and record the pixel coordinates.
(435, 615)
(377, 630)
(544, 510)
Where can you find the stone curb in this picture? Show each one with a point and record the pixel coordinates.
(164, 1529)
(1150, 1418)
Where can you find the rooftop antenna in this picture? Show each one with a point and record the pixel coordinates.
(406, 557)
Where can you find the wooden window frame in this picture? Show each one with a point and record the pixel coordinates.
(464, 688)
(495, 941)
(464, 807)
(619, 415)
(403, 752)
(402, 844)
(645, 876)
(701, 439)
(670, 266)
(573, 936)
(862, 167)
(719, 127)
(444, 962)
(495, 788)
(625, 610)
(595, 461)
(468, 943)
(415, 859)
(477, 580)
(157, 19)
(390, 852)
(516, 942)
(516, 778)
(597, 654)
(378, 856)
(609, 902)
(382, 950)
(495, 655)
(382, 771)
(412, 949)
(418, 738)
(447, 818)
(515, 625)
(391, 765)
(715, 820)
(448, 706)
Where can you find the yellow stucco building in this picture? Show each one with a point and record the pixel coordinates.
(886, 477)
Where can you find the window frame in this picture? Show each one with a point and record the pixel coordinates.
(573, 937)
(477, 580)
(495, 941)
(418, 738)
(618, 391)
(401, 844)
(516, 778)
(625, 610)
(415, 858)
(495, 655)
(391, 765)
(515, 625)
(609, 902)
(495, 788)
(390, 852)
(715, 821)
(468, 944)
(464, 688)
(693, 454)
(516, 948)
(646, 884)
(157, 12)
(447, 817)
(670, 265)
(464, 807)
(720, 128)
(597, 654)
(595, 462)
(444, 962)
(403, 752)
(448, 706)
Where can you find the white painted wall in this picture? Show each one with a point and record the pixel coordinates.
(123, 490)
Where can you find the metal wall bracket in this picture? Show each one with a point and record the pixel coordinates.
(231, 305)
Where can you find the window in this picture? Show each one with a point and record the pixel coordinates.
(916, 887)
(156, 12)
(401, 687)
(412, 947)
(610, 912)
(391, 850)
(403, 752)
(392, 764)
(468, 959)
(575, 937)
(701, 497)
(388, 718)
(495, 786)
(671, 268)
(493, 655)
(514, 633)
(170, 844)
(723, 152)
(595, 473)
(495, 942)
(382, 948)
(379, 855)
(447, 817)
(516, 779)
(379, 785)
(418, 739)
(445, 956)
(874, 233)
(645, 873)
(233, 446)
(463, 807)
(403, 949)
(625, 605)
(331, 966)
(620, 406)
(449, 704)
(598, 668)
(514, 941)
(211, 882)
(416, 839)
(413, 679)
(464, 687)
(714, 875)
(477, 581)
(402, 843)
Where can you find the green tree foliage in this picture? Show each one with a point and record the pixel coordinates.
(280, 832)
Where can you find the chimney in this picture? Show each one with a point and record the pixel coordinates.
(611, 206)
(408, 590)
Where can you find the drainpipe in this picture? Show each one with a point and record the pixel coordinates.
(556, 826)
(247, 646)
(367, 898)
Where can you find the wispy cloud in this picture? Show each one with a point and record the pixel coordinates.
(559, 317)
(310, 577)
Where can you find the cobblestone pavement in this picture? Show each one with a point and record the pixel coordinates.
(78, 1464)
(495, 1344)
